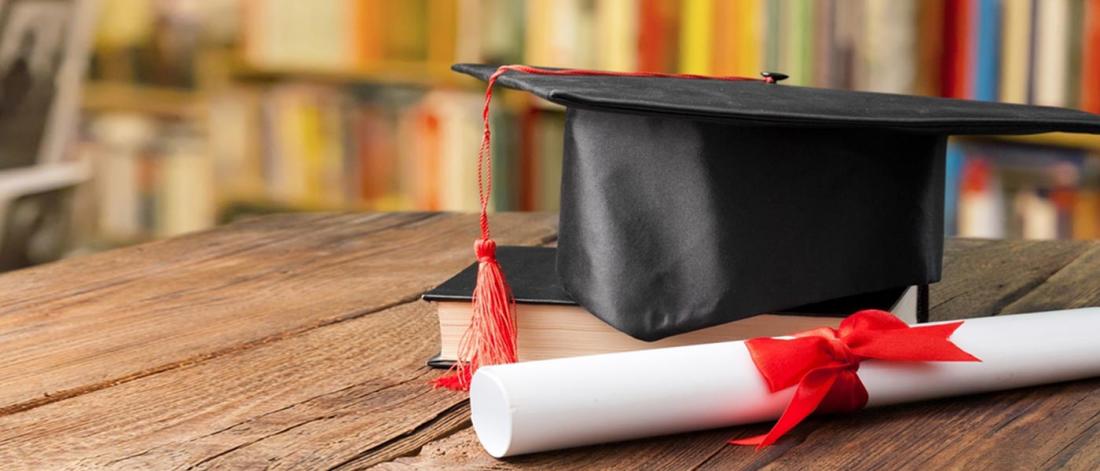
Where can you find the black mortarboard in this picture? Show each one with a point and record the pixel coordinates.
(688, 203)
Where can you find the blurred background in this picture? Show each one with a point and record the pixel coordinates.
(186, 114)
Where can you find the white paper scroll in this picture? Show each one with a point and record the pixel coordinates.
(553, 404)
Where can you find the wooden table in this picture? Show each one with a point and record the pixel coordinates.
(299, 342)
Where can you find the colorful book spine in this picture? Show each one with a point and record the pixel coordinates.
(987, 39)
(889, 51)
(1090, 60)
(1015, 51)
(955, 73)
(1051, 59)
(696, 36)
(616, 31)
(658, 35)
(952, 184)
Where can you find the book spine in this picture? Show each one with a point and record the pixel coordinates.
(930, 47)
(957, 36)
(1015, 50)
(986, 55)
(889, 35)
(1051, 57)
(1090, 60)
(657, 35)
(616, 33)
(749, 37)
(696, 35)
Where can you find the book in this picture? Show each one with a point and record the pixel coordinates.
(1074, 64)
(847, 33)
(616, 31)
(987, 35)
(1051, 63)
(1015, 50)
(955, 73)
(773, 39)
(824, 27)
(726, 37)
(889, 56)
(696, 36)
(955, 158)
(558, 33)
(799, 48)
(183, 197)
(1090, 60)
(749, 20)
(551, 325)
(275, 34)
(929, 47)
(658, 33)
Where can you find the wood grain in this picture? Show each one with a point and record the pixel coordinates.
(986, 277)
(125, 314)
(311, 401)
(297, 342)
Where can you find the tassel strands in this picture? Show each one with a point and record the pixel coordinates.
(491, 337)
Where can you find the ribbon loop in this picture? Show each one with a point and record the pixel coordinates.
(823, 363)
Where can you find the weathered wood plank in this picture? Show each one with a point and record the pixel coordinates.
(310, 401)
(461, 451)
(130, 313)
(984, 278)
(991, 431)
(1075, 285)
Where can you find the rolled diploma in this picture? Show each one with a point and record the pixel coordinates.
(553, 404)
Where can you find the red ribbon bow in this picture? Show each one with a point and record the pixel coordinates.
(823, 363)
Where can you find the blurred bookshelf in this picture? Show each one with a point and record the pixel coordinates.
(200, 112)
(171, 102)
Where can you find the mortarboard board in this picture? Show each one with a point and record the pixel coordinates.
(688, 203)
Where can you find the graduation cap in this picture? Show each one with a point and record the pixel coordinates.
(692, 201)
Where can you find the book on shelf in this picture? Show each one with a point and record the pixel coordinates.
(956, 70)
(930, 45)
(1090, 58)
(615, 30)
(1015, 53)
(490, 31)
(1050, 65)
(150, 178)
(696, 31)
(658, 35)
(986, 35)
(1016, 191)
(551, 325)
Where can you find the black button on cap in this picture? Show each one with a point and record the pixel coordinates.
(773, 77)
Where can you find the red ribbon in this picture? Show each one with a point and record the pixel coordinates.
(823, 363)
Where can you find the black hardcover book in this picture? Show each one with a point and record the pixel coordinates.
(534, 280)
(532, 274)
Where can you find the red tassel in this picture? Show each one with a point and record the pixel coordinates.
(491, 338)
